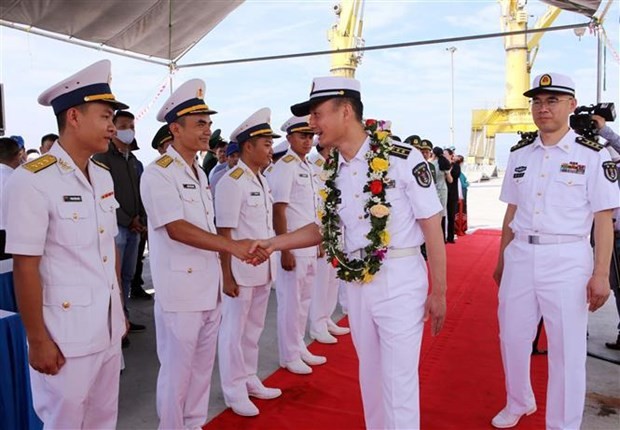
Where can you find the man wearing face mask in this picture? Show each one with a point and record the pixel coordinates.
(131, 217)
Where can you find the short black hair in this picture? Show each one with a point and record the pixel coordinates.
(123, 114)
(61, 118)
(356, 105)
(50, 136)
(8, 149)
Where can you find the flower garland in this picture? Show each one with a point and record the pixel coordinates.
(376, 208)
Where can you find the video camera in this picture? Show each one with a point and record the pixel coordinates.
(581, 120)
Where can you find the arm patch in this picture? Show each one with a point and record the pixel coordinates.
(422, 174)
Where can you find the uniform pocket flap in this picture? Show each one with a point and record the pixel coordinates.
(66, 297)
(73, 211)
(571, 179)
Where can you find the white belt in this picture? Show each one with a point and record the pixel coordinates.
(391, 253)
(548, 239)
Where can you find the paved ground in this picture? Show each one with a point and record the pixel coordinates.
(138, 381)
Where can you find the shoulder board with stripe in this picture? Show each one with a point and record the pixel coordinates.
(100, 164)
(164, 161)
(595, 146)
(527, 138)
(400, 151)
(40, 163)
(319, 162)
(288, 158)
(237, 173)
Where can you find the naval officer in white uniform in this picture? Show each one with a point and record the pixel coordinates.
(244, 206)
(61, 223)
(184, 262)
(556, 184)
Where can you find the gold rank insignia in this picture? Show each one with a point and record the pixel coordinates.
(288, 158)
(319, 162)
(237, 173)
(40, 163)
(595, 146)
(400, 151)
(98, 163)
(164, 161)
(545, 81)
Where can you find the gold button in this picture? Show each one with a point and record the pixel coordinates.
(101, 230)
(189, 270)
(66, 305)
(539, 194)
(546, 156)
(542, 175)
(360, 217)
(354, 173)
(75, 215)
(570, 182)
(537, 212)
(105, 258)
(357, 196)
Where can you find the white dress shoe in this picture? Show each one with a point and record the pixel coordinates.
(336, 330)
(244, 407)
(505, 419)
(298, 367)
(324, 338)
(258, 390)
(311, 359)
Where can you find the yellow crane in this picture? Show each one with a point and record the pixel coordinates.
(346, 33)
(520, 55)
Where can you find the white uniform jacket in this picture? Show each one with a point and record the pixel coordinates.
(185, 278)
(244, 204)
(292, 182)
(558, 188)
(54, 212)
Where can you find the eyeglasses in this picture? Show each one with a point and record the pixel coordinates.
(551, 102)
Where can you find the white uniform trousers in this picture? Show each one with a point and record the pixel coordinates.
(324, 297)
(243, 320)
(294, 293)
(186, 344)
(83, 395)
(386, 319)
(547, 280)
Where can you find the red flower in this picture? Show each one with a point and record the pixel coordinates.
(335, 262)
(376, 187)
(370, 122)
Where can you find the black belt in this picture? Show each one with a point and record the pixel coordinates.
(3, 254)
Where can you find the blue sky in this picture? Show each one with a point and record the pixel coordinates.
(409, 86)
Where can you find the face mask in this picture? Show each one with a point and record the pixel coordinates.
(125, 136)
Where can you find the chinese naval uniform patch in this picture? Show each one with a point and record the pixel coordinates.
(40, 163)
(422, 175)
(610, 171)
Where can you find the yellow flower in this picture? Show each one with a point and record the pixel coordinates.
(385, 238)
(366, 276)
(379, 211)
(379, 164)
(382, 135)
(320, 215)
(323, 193)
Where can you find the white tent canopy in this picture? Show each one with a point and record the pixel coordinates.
(160, 30)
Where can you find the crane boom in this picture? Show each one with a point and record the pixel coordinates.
(347, 33)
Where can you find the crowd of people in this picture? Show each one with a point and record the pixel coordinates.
(339, 211)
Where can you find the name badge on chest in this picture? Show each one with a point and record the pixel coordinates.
(189, 186)
(72, 198)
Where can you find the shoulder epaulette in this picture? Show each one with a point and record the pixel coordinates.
(237, 173)
(288, 158)
(164, 161)
(319, 162)
(595, 146)
(40, 163)
(100, 164)
(527, 138)
(400, 151)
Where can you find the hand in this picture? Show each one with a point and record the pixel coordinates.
(245, 251)
(262, 247)
(45, 357)
(599, 121)
(598, 291)
(136, 226)
(435, 309)
(497, 273)
(231, 288)
(287, 259)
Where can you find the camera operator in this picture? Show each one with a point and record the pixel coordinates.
(606, 132)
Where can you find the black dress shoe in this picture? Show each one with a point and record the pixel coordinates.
(139, 293)
(134, 328)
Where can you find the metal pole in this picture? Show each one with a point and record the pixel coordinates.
(451, 49)
(599, 64)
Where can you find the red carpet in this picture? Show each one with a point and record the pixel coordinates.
(461, 377)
